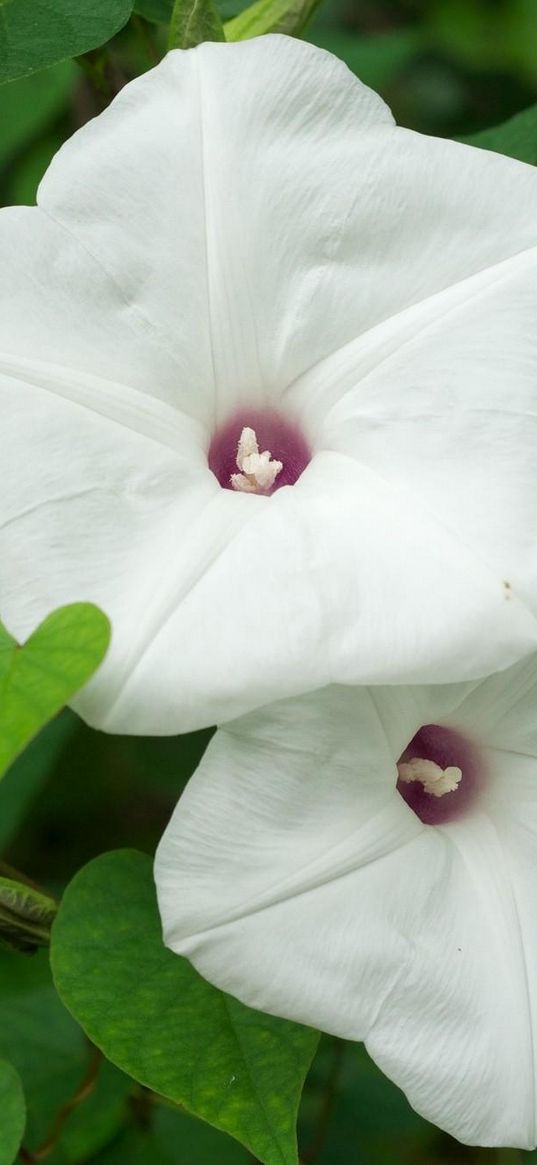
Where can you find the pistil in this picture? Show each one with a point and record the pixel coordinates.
(258, 471)
(435, 780)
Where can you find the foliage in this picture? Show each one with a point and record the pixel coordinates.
(13, 1113)
(159, 11)
(26, 915)
(38, 678)
(272, 16)
(53, 1060)
(27, 107)
(35, 35)
(139, 1003)
(517, 137)
(193, 21)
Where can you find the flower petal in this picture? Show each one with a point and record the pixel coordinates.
(222, 602)
(291, 592)
(323, 218)
(457, 1031)
(59, 306)
(448, 412)
(501, 712)
(295, 877)
(89, 504)
(289, 214)
(269, 775)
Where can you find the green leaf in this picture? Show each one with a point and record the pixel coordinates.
(158, 11)
(52, 1057)
(192, 22)
(12, 1113)
(37, 33)
(26, 775)
(517, 138)
(27, 106)
(174, 1138)
(37, 679)
(26, 915)
(288, 16)
(157, 1019)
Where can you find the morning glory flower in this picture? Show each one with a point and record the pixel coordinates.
(365, 861)
(268, 374)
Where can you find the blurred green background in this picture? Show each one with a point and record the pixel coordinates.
(448, 67)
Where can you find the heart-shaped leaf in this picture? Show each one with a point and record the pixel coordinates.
(37, 679)
(38, 33)
(157, 1019)
(12, 1113)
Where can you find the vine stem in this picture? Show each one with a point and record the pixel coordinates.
(83, 1091)
(327, 1106)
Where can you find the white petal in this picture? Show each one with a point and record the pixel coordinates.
(323, 218)
(457, 1030)
(128, 193)
(91, 508)
(447, 410)
(289, 214)
(291, 592)
(59, 306)
(268, 776)
(294, 876)
(501, 711)
(189, 190)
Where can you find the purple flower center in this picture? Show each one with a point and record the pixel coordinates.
(274, 433)
(457, 768)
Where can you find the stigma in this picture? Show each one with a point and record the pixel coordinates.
(435, 780)
(258, 471)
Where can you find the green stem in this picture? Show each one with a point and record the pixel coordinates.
(84, 1090)
(327, 1105)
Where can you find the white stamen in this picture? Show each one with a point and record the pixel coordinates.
(258, 470)
(434, 779)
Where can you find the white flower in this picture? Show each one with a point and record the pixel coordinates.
(299, 874)
(245, 241)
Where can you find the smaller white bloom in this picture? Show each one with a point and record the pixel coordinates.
(365, 861)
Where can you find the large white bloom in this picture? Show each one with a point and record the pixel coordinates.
(244, 241)
(296, 876)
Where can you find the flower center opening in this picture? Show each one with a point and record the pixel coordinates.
(440, 774)
(258, 451)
